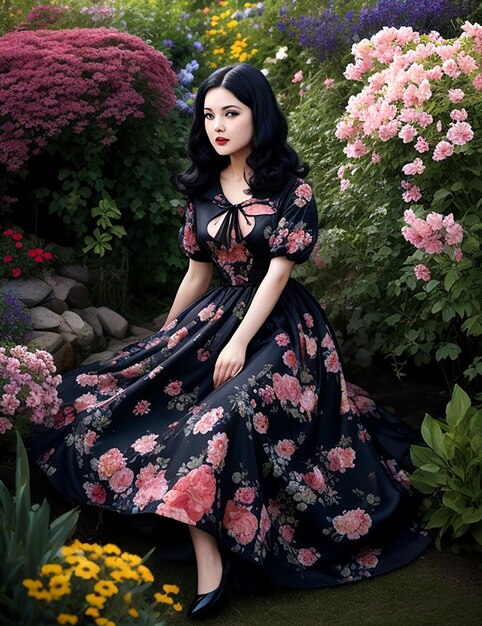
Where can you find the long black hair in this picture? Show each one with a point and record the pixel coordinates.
(272, 159)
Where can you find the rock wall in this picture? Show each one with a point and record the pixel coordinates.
(66, 323)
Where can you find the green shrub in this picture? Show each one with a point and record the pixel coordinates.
(449, 472)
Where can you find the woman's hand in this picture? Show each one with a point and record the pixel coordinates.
(229, 362)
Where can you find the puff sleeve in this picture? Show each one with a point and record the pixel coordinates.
(297, 230)
(187, 236)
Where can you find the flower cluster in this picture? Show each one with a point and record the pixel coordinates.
(29, 387)
(19, 257)
(15, 320)
(227, 38)
(405, 74)
(107, 77)
(430, 235)
(329, 33)
(185, 99)
(94, 584)
(45, 16)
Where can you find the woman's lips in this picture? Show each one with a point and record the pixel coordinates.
(221, 141)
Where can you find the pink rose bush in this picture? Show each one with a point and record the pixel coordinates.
(28, 387)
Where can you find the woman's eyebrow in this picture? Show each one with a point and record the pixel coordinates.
(228, 106)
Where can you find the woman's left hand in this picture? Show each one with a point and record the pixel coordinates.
(229, 362)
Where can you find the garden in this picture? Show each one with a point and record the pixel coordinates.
(384, 101)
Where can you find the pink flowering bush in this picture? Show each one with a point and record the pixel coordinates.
(400, 240)
(29, 388)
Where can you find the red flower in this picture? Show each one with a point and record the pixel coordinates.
(8, 232)
(16, 272)
(48, 256)
(19, 244)
(31, 253)
(38, 259)
(17, 236)
(7, 259)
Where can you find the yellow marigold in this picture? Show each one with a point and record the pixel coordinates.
(132, 559)
(95, 600)
(133, 612)
(212, 64)
(66, 618)
(170, 588)
(254, 51)
(111, 548)
(145, 573)
(103, 621)
(163, 598)
(42, 594)
(218, 51)
(119, 575)
(211, 33)
(87, 569)
(127, 597)
(225, 14)
(92, 612)
(232, 24)
(105, 588)
(177, 606)
(32, 585)
(73, 559)
(243, 57)
(50, 568)
(114, 562)
(59, 585)
(247, 5)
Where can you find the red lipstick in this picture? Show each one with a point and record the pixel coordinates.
(221, 141)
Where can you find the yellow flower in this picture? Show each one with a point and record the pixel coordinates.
(211, 33)
(32, 585)
(114, 562)
(105, 588)
(127, 597)
(132, 559)
(163, 598)
(103, 621)
(170, 588)
(224, 14)
(218, 51)
(211, 64)
(133, 612)
(50, 568)
(177, 606)
(94, 600)
(73, 559)
(232, 24)
(243, 57)
(247, 5)
(65, 618)
(59, 585)
(145, 574)
(92, 612)
(43, 594)
(86, 569)
(254, 51)
(111, 548)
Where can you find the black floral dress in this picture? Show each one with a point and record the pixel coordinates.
(286, 464)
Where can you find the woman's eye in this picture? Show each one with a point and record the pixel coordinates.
(231, 114)
(208, 116)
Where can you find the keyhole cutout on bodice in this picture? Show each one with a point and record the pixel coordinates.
(246, 224)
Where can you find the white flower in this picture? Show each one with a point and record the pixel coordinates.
(281, 54)
(265, 71)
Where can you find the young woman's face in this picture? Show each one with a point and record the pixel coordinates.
(228, 123)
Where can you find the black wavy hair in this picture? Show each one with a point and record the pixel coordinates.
(272, 159)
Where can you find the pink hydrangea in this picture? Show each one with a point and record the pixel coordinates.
(460, 133)
(421, 145)
(456, 95)
(442, 151)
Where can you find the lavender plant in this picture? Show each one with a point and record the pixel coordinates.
(15, 320)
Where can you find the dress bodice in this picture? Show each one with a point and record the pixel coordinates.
(285, 224)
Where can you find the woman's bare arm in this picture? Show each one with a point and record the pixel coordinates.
(231, 359)
(195, 282)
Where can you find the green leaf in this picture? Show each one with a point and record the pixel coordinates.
(432, 435)
(430, 468)
(439, 518)
(420, 485)
(438, 306)
(421, 455)
(454, 501)
(458, 406)
(450, 279)
(448, 350)
(472, 515)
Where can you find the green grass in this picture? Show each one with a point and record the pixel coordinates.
(440, 589)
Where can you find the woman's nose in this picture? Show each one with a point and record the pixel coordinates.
(218, 125)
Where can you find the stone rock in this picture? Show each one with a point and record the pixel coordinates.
(79, 296)
(31, 291)
(62, 286)
(89, 315)
(63, 326)
(70, 338)
(139, 331)
(45, 340)
(44, 319)
(158, 321)
(80, 273)
(98, 356)
(55, 305)
(84, 332)
(64, 358)
(113, 324)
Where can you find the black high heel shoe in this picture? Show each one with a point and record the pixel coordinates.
(206, 602)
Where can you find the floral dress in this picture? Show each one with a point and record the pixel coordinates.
(289, 467)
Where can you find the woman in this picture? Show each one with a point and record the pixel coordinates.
(235, 418)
